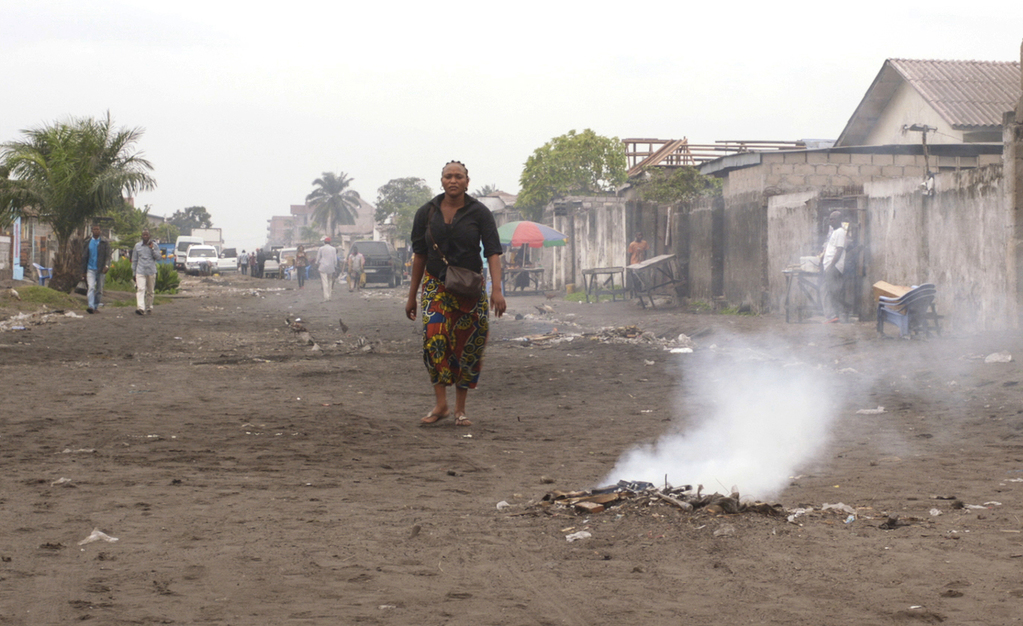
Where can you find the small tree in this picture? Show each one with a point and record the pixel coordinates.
(129, 222)
(572, 164)
(400, 198)
(166, 232)
(672, 185)
(309, 234)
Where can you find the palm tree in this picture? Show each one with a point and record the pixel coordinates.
(485, 190)
(332, 202)
(67, 173)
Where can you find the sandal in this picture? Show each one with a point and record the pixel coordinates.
(461, 420)
(433, 418)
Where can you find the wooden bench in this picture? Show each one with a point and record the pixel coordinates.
(913, 312)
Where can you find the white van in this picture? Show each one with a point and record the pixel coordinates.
(181, 245)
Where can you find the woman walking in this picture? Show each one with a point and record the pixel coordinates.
(301, 262)
(449, 230)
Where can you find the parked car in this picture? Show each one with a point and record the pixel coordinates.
(198, 257)
(181, 245)
(272, 265)
(228, 261)
(382, 262)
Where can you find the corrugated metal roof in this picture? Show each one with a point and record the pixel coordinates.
(967, 94)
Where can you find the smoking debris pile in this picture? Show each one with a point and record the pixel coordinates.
(637, 495)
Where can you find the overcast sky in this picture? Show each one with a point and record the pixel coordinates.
(244, 105)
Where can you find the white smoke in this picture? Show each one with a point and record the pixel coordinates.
(765, 419)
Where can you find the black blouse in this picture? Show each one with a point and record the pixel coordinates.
(460, 240)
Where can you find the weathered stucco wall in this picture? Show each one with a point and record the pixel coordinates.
(908, 107)
(704, 248)
(745, 251)
(958, 238)
(596, 227)
(792, 232)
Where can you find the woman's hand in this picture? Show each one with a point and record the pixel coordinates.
(410, 307)
(497, 303)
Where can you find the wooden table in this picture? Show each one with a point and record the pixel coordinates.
(652, 274)
(596, 287)
(510, 274)
(809, 285)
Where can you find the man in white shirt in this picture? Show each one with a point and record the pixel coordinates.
(326, 263)
(833, 269)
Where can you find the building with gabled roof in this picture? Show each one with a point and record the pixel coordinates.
(952, 101)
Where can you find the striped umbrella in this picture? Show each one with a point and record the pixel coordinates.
(530, 234)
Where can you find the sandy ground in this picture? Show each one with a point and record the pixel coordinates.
(252, 479)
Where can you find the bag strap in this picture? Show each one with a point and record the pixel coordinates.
(429, 232)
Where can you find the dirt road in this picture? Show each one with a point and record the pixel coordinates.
(250, 478)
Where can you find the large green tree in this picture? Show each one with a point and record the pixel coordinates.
(332, 202)
(400, 198)
(572, 164)
(67, 173)
(190, 218)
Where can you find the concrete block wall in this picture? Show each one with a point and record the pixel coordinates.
(832, 171)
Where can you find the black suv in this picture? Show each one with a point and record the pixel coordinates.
(382, 262)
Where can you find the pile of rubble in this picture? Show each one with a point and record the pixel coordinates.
(611, 335)
(634, 495)
(24, 321)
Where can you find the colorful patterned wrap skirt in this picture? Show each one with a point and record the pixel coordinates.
(454, 335)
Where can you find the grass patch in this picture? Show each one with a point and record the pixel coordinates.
(580, 296)
(33, 296)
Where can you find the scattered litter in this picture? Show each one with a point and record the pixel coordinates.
(60, 481)
(645, 362)
(840, 506)
(503, 504)
(726, 530)
(992, 503)
(879, 410)
(850, 519)
(794, 513)
(97, 535)
(975, 507)
(384, 607)
(998, 357)
(70, 451)
(935, 512)
(681, 350)
(582, 534)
